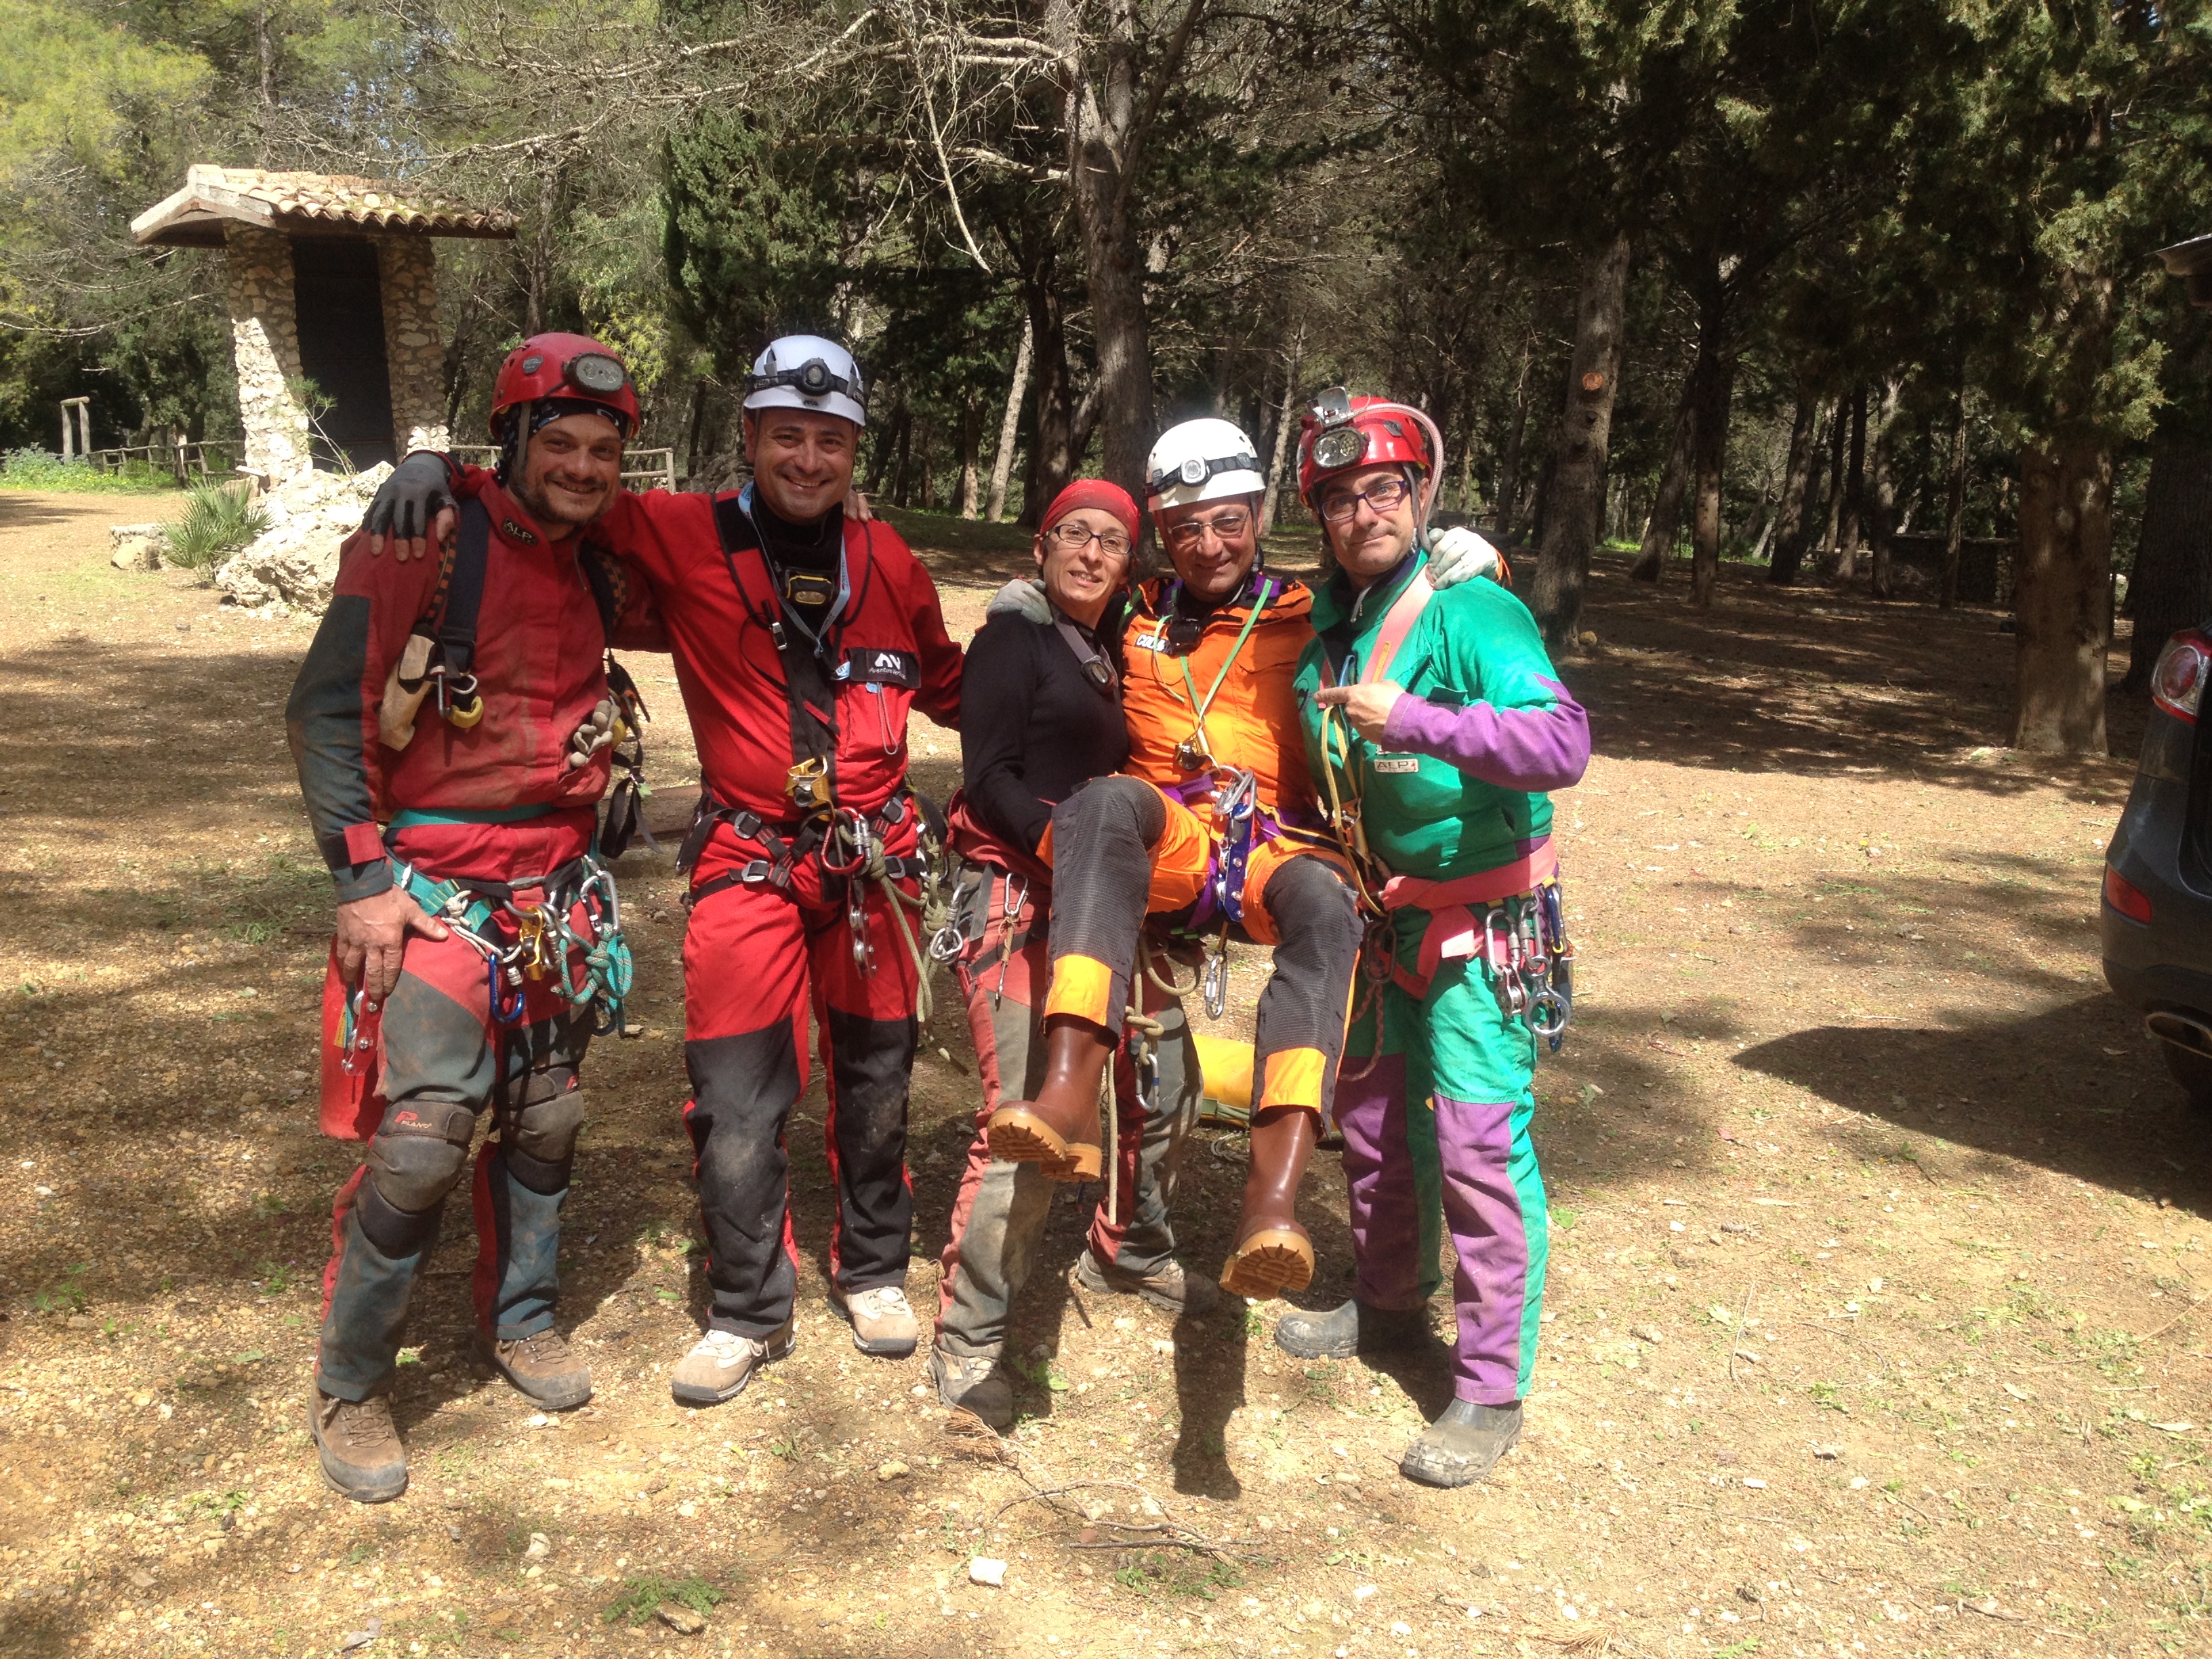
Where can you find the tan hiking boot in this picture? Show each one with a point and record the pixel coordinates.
(722, 1365)
(1167, 1288)
(361, 1448)
(979, 1386)
(542, 1366)
(882, 1321)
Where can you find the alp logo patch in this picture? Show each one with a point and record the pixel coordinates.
(1396, 764)
(874, 665)
(515, 532)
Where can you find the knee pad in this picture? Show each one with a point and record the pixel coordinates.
(539, 1135)
(397, 1233)
(417, 1153)
(1131, 800)
(1309, 901)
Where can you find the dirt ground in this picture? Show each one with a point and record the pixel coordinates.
(1872, 1325)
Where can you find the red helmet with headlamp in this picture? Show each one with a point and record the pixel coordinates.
(565, 369)
(1341, 433)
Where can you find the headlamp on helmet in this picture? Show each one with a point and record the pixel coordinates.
(811, 378)
(1195, 469)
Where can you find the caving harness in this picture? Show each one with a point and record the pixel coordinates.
(1510, 918)
(847, 844)
(571, 934)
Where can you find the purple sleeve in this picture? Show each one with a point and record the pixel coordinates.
(1536, 749)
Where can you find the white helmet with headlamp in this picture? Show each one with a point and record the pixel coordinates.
(804, 371)
(1202, 461)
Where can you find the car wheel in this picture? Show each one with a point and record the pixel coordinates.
(2193, 1072)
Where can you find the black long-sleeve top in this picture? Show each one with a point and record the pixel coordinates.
(1032, 726)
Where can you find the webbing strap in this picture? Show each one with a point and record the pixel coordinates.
(1405, 610)
(457, 628)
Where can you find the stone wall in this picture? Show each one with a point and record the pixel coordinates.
(407, 269)
(265, 343)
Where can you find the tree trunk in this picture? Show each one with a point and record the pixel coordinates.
(971, 444)
(1509, 471)
(2061, 596)
(1101, 123)
(2173, 585)
(889, 450)
(1789, 523)
(1269, 501)
(1854, 491)
(1053, 455)
(1002, 468)
(1882, 517)
(1715, 379)
(903, 469)
(1838, 435)
(1665, 518)
(1955, 510)
(1575, 505)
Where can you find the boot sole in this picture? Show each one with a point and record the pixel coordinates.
(1018, 1135)
(882, 1347)
(691, 1394)
(1268, 1262)
(1449, 1470)
(359, 1491)
(563, 1400)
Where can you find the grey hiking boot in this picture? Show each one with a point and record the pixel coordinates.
(882, 1320)
(1167, 1288)
(1355, 1328)
(976, 1385)
(360, 1449)
(722, 1362)
(542, 1366)
(1460, 1446)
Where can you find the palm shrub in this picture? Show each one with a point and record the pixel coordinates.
(218, 521)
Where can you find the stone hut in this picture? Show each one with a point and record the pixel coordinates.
(332, 283)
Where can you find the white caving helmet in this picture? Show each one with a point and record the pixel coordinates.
(804, 371)
(1202, 460)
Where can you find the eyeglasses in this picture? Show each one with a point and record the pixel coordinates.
(1074, 538)
(1228, 526)
(1384, 496)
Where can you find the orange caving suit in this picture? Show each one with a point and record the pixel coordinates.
(1213, 826)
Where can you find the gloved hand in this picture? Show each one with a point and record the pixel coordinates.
(412, 508)
(594, 734)
(1460, 555)
(1021, 598)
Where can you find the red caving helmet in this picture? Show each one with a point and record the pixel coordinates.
(1339, 434)
(564, 366)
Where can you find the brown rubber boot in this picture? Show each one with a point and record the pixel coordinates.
(1059, 1129)
(1273, 1252)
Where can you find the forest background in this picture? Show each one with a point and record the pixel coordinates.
(1794, 281)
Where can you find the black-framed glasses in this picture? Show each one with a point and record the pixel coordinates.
(1073, 538)
(1384, 496)
(1227, 526)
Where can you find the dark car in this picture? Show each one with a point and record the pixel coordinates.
(2157, 914)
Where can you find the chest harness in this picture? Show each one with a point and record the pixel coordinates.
(1510, 918)
(570, 932)
(846, 843)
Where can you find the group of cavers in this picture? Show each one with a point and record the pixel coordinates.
(1154, 762)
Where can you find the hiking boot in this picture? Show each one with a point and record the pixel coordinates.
(1273, 1252)
(1353, 1328)
(1460, 1447)
(883, 1323)
(543, 1366)
(1167, 1287)
(1059, 1130)
(722, 1365)
(363, 1455)
(974, 1385)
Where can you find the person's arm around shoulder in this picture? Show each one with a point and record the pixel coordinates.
(1525, 730)
(940, 694)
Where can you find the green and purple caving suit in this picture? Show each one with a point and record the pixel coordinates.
(1436, 1128)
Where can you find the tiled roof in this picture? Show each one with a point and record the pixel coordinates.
(306, 201)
